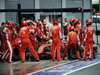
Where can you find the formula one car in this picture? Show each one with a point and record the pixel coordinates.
(45, 50)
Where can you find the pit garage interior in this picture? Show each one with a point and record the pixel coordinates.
(16, 10)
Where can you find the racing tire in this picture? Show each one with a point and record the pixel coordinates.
(15, 56)
(71, 53)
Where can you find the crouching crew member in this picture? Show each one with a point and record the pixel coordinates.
(72, 39)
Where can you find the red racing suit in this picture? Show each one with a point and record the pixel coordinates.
(72, 39)
(17, 43)
(89, 31)
(45, 33)
(7, 36)
(55, 33)
(33, 34)
(25, 34)
(78, 30)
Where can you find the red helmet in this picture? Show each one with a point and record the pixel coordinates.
(88, 22)
(71, 20)
(11, 23)
(24, 23)
(55, 23)
(71, 28)
(39, 24)
(76, 21)
(7, 22)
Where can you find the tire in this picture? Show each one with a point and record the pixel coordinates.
(94, 52)
(15, 56)
(71, 53)
(81, 50)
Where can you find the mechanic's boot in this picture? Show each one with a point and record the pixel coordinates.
(90, 59)
(65, 58)
(58, 60)
(22, 61)
(84, 59)
(53, 59)
(37, 60)
(9, 61)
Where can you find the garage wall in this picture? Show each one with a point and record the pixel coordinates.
(50, 4)
(42, 4)
(74, 4)
(12, 4)
(87, 5)
(2, 15)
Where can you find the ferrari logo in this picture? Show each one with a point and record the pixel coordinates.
(23, 32)
(90, 32)
(54, 31)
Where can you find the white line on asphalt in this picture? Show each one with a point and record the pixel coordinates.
(81, 68)
(48, 68)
